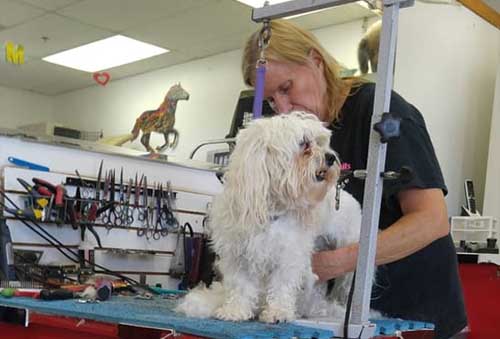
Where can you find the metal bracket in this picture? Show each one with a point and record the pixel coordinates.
(289, 8)
(402, 3)
(355, 331)
(230, 141)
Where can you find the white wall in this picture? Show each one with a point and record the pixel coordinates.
(19, 107)
(342, 41)
(492, 187)
(446, 66)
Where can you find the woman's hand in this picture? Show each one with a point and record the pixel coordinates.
(330, 264)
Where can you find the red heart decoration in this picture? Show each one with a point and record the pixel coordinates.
(102, 78)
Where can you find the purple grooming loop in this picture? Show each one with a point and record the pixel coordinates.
(264, 37)
(259, 91)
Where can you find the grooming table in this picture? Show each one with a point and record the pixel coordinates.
(158, 313)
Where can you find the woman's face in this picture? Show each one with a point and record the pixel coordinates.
(290, 86)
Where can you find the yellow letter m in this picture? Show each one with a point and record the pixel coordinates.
(14, 54)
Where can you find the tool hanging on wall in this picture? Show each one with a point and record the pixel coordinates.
(113, 217)
(143, 214)
(27, 164)
(161, 226)
(58, 197)
(120, 208)
(166, 209)
(97, 195)
(83, 217)
(137, 194)
(128, 212)
(37, 202)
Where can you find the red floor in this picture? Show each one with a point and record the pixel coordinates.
(481, 286)
(64, 328)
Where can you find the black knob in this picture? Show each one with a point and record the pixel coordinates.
(388, 127)
(404, 175)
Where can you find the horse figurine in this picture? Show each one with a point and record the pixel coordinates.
(160, 120)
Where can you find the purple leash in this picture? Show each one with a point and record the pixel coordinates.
(259, 90)
(264, 37)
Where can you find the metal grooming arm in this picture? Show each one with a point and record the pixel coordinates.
(229, 141)
(376, 153)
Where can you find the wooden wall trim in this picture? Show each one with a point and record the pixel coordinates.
(483, 10)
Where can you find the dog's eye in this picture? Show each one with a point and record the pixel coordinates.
(305, 145)
(272, 104)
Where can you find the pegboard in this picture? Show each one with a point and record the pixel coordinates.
(193, 188)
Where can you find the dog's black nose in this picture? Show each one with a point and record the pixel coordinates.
(330, 159)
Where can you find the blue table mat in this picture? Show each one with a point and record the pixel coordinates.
(390, 326)
(158, 313)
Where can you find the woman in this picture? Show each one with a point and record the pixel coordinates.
(417, 276)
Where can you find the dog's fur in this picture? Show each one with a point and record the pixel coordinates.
(277, 207)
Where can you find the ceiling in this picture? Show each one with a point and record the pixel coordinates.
(190, 29)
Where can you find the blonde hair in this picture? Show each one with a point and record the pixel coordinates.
(290, 43)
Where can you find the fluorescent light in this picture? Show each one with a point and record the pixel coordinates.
(104, 54)
(260, 3)
(301, 14)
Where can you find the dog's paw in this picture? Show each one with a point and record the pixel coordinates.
(276, 315)
(233, 313)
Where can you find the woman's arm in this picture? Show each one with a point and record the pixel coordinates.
(425, 219)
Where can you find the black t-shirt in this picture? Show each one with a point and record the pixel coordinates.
(424, 286)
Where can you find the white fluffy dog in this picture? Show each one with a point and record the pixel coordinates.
(277, 207)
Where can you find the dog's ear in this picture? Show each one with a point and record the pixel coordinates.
(247, 183)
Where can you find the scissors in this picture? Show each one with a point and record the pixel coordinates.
(97, 194)
(151, 214)
(161, 228)
(166, 209)
(144, 213)
(107, 182)
(120, 208)
(85, 188)
(112, 218)
(128, 213)
(137, 195)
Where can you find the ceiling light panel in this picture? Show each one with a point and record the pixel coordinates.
(105, 54)
(260, 3)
